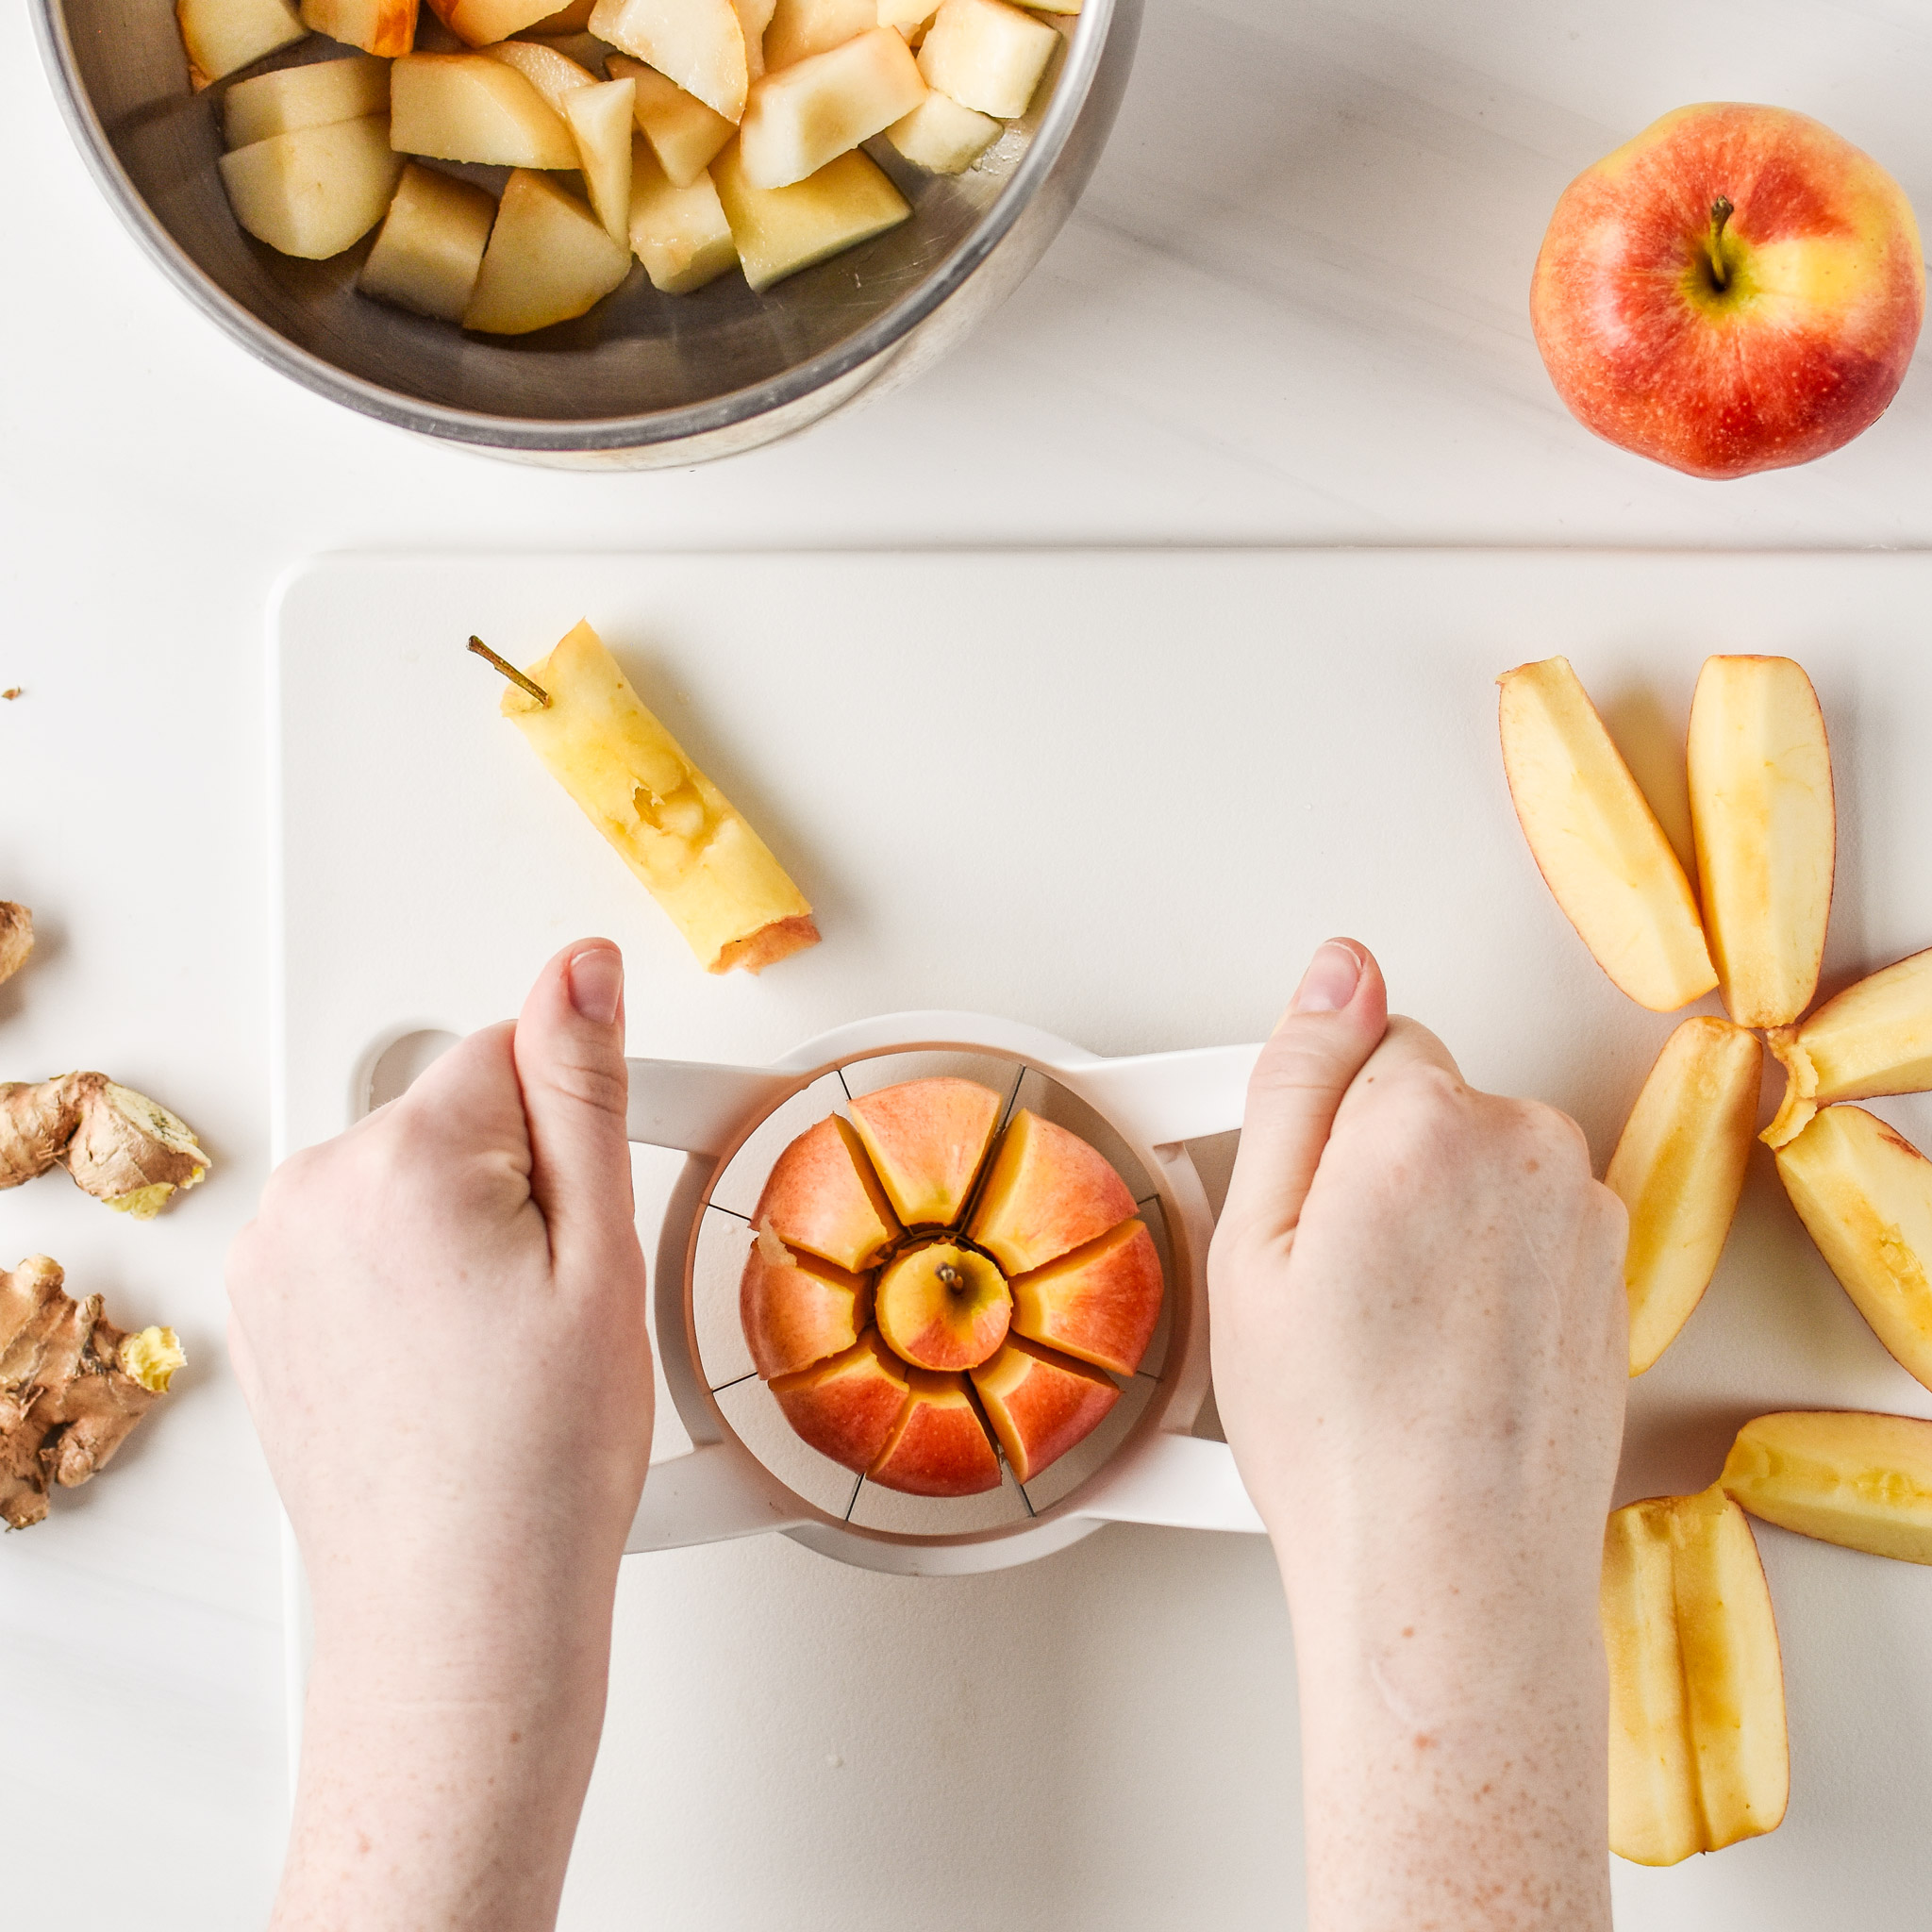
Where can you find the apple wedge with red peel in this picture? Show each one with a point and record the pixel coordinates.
(928, 1140)
(942, 1307)
(1679, 1170)
(796, 1309)
(1762, 813)
(848, 1408)
(1100, 1301)
(1859, 1480)
(1699, 1753)
(1047, 1192)
(823, 1196)
(1597, 843)
(1040, 1404)
(1864, 1194)
(938, 1448)
(1875, 1038)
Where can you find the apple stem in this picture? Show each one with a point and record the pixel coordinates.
(950, 1276)
(510, 671)
(1721, 212)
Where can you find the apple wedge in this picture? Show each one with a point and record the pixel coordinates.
(679, 233)
(1046, 1193)
(472, 107)
(1864, 1194)
(800, 28)
(987, 55)
(430, 249)
(683, 133)
(387, 27)
(1597, 843)
(316, 191)
(314, 95)
(549, 260)
(599, 117)
(1762, 813)
(1040, 1404)
(1875, 1038)
(796, 1309)
(781, 230)
(942, 1307)
(553, 73)
(1678, 1169)
(941, 136)
(1100, 1303)
(849, 1407)
(222, 36)
(823, 1196)
(481, 22)
(1863, 1481)
(1699, 1757)
(939, 1447)
(698, 44)
(811, 112)
(927, 1140)
(907, 17)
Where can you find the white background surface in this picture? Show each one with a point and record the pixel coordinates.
(1292, 309)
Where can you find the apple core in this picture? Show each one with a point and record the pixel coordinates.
(942, 1307)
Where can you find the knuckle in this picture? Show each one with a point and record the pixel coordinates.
(596, 1084)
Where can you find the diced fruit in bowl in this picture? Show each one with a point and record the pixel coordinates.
(549, 70)
(781, 230)
(549, 260)
(387, 27)
(683, 133)
(679, 233)
(1864, 1481)
(470, 107)
(1875, 1038)
(600, 120)
(810, 113)
(317, 191)
(987, 55)
(431, 245)
(482, 22)
(309, 96)
(222, 36)
(698, 44)
(753, 17)
(800, 28)
(941, 136)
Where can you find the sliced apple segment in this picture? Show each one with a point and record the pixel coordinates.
(1597, 843)
(781, 230)
(941, 136)
(1699, 1758)
(1040, 1404)
(987, 55)
(1761, 812)
(549, 260)
(430, 249)
(940, 1446)
(810, 113)
(800, 28)
(679, 233)
(796, 1309)
(472, 108)
(823, 1196)
(1100, 1303)
(313, 95)
(1047, 1192)
(942, 1307)
(599, 117)
(907, 17)
(550, 70)
(699, 44)
(1679, 1169)
(316, 191)
(1864, 1194)
(753, 17)
(849, 1407)
(683, 133)
(1864, 1481)
(480, 23)
(928, 1140)
(222, 36)
(1875, 1038)
(387, 27)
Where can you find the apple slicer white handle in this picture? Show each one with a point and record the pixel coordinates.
(696, 1107)
(1159, 1098)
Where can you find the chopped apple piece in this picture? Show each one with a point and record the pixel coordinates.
(387, 27)
(679, 233)
(847, 1408)
(480, 23)
(1047, 1192)
(315, 192)
(800, 28)
(224, 36)
(823, 1196)
(675, 830)
(942, 1307)
(472, 108)
(753, 17)
(1761, 812)
(1597, 843)
(782, 230)
(1875, 1038)
(1864, 1481)
(907, 17)
(699, 44)
(1699, 1758)
(796, 1309)
(810, 113)
(551, 73)
(683, 133)
(1100, 1303)
(928, 1140)
(549, 260)
(431, 245)
(987, 55)
(311, 96)
(939, 1447)
(1040, 1404)
(600, 118)
(1864, 1194)
(1679, 1169)
(941, 136)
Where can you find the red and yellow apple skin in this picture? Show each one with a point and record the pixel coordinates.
(847, 1408)
(928, 1140)
(824, 1197)
(939, 1447)
(1099, 1302)
(1047, 1192)
(1737, 289)
(796, 1309)
(942, 1307)
(1040, 1404)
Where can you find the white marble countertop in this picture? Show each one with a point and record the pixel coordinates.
(1292, 309)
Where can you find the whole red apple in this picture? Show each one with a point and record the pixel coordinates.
(1737, 289)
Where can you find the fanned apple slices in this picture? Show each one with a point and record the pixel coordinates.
(1845, 1476)
(1875, 1038)
(890, 1339)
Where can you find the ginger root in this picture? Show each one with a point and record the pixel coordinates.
(118, 1145)
(16, 936)
(72, 1386)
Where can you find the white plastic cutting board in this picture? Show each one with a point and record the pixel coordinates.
(1121, 795)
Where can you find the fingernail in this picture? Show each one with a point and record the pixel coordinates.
(596, 983)
(1331, 979)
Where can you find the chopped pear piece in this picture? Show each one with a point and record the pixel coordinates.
(1597, 843)
(311, 96)
(224, 36)
(800, 28)
(679, 233)
(753, 17)
(987, 55)
(431, 245)
(1864, 1481)
(472, 107)
(1699, 1757)
(1761, 812)
(908, 16)
(683, 134)
(1864, 1194)
(698, 44)
(585, 50)
(675, 830)
(780, 230)
(550, 259)
(811, 112)
(1875, 1038)
(1679, 1169)
(316, 191)
(943, 136)
(481, 22)
(551, 73)
(387, 27)
(600, 118)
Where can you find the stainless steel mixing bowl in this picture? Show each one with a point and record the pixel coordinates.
(644, 380)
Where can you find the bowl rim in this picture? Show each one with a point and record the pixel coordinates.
(789, 387)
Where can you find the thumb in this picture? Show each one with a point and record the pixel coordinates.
(569, 1050)
(1334, 1023)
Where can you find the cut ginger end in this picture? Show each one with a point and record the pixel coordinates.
(693, 851)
